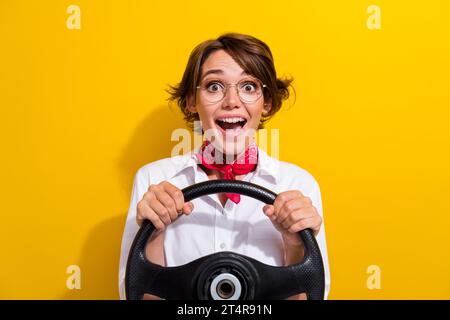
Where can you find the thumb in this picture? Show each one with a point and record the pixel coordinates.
(188, 207)
(269, 210)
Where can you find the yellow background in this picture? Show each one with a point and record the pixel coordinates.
(82, 110)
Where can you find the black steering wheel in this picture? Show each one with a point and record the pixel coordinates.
(224, 275)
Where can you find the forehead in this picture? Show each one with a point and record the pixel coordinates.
(220, 62)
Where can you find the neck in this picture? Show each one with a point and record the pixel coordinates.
(226, 158)
(215, 174)
(211, 173)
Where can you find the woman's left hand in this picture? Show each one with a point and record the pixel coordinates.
(292, 212)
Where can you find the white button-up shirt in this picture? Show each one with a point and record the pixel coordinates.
(242, 228)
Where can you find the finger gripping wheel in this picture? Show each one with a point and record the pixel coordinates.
(224, 275)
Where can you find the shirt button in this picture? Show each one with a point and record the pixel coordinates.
(222, 245)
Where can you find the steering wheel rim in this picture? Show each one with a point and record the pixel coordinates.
(142, 275)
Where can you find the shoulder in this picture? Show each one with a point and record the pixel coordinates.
(296, 176)
(292, 172)
(163, 169)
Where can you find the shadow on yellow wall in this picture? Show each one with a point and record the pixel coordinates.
(150, 141)
(99, 260)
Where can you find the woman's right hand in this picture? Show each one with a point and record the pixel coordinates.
(162, 204)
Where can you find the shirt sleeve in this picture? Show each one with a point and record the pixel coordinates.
(140, 186)
(316, 199)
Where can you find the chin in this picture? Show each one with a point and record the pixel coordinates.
(229, 145)
(233, 148)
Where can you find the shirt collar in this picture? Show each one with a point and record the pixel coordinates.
(267, 166)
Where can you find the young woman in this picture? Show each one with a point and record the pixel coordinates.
(229, 85)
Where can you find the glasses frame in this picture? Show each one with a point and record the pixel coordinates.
(227, 85)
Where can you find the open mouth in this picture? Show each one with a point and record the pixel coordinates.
(234, 123)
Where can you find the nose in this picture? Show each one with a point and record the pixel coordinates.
(231, 99)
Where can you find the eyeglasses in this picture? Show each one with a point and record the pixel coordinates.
(248, 90)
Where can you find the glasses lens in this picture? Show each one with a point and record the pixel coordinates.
(250, 91)
(212, 91)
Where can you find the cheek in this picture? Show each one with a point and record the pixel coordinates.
(255, 114)
(206, 116)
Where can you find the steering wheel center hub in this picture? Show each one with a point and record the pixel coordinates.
(226, 276)
(225, 287)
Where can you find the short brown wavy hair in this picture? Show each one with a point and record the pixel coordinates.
(252, 55)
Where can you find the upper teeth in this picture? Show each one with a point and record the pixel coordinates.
(232, 120)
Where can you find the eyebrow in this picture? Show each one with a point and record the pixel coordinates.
(217, 71)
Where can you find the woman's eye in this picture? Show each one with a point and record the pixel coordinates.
(214, 87)
(249, 87)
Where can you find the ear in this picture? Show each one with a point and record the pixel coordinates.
(267, 106)
(191, 104)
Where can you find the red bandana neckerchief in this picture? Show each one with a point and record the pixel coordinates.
(244, 164)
